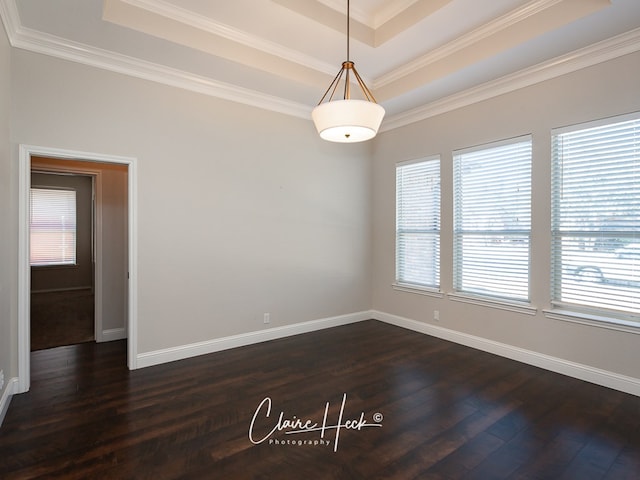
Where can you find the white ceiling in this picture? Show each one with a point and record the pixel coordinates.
(420, 57)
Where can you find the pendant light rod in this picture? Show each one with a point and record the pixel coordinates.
(347, 67)
(347, 80)
(347, 120)
(348, 36)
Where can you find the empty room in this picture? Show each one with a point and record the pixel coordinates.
(332, 239)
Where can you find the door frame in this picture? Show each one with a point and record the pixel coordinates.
(24, 269)
(96, 234)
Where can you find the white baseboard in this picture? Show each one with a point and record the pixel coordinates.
(157, 357)
(565, 367)
(572, 369)
(113, 334)
(5, 399)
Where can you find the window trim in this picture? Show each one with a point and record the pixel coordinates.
(492, 300)
(399, 284)
(572, 312)
(600, 321)
(54, 265)
(418, 289)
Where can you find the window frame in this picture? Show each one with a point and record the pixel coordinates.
(402, 282)
(54, 263)
(494, 299)
(564, 309)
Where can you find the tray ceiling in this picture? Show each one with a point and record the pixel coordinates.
(420, 57)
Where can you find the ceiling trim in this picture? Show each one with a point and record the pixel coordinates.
(10, 17)
(39, 42)
(389, 11)
(398, 14)
(195, 20)
(475, 36)
(51, 45)
(373, 19)
(609, 49)
(319, 12)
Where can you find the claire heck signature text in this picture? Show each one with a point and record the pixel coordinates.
(294, 425)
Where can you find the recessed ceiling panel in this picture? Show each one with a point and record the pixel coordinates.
(282, 54)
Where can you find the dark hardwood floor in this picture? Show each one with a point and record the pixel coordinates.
(61, 318)
(446, 412)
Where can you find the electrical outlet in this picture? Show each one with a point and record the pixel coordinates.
(436, 315)
(266, 318)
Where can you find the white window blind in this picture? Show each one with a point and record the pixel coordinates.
(53, 227)
(492, 219)
(596, 217)
(418, 223)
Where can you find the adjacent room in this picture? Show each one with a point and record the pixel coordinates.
(320, 238)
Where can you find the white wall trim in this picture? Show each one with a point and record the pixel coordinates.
(24, 274)
(473, 37)
(580, 371)
(113, 334)
(181, 352)
(418, 290)
(5, 399)
(39, 42)
(10, 17)
(372, 18)
(58, 47)
(587, 373)
(598, 321)
(209, 25)
(586, 57)
(523, 308)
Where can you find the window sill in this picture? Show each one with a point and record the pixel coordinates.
(494, 303)
(428, 291)
(59, 266)
(599, 321)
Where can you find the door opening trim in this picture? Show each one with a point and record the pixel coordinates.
(24, 270)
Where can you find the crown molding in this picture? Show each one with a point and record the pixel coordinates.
(47, 44)
(376, 18)
(390, 10)
(356, 13)
(475, 36)
(200, 22)
(51, 45)
(609, 49)
(9, 17)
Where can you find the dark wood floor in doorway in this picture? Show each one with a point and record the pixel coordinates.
(61, 318)
(445, 412)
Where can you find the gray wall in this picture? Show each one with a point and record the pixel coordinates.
(240, 211)
(243, 211)
(8, 235)
(601, 91)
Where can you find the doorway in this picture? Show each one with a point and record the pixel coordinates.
(112, 271)
(62, 255)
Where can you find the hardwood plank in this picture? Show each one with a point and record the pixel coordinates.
(61, 318)
(448, 412)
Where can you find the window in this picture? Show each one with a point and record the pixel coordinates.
(53, 227)
(492, 219)
(418, 223)
(596, 217)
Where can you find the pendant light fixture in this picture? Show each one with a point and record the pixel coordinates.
(347, 120)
